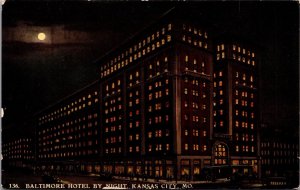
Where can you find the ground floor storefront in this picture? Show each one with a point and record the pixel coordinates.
(169, 168)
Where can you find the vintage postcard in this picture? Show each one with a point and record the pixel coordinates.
(150, 95)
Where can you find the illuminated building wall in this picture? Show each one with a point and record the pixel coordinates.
(20, 152)
(70, 130)
(157, 102)
(235, 102)
(159, 109)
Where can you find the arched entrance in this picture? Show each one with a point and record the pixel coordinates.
(220, 154)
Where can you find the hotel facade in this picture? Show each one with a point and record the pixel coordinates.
(169, 102)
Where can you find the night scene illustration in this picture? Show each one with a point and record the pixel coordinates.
(150, 95)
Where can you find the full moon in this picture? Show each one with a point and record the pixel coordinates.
(41, 36)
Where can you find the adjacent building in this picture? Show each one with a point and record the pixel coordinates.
(18, 152)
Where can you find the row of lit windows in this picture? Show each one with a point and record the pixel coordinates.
(194, 30)
(279, 153)
(69, 154)
(220, 112)
(193, 92)
(17, 142)
(76, 137)
(195, 105)
(244, 94)
(278, 161)
(17, 157)
(244, 76)
(71, 107)
(158, 147)
(244, 137)
(195, 82)
(66, 145)
(63, 133)
(11, 152)
(113, 139)
(195, 133)
(279, 145)
(113, 150)
(158, 94)
(244, 148)
(132, 138)
(243, 102)
(238, 58)
(238, 75)
(243, 113)
(137, 149)
(243, 51)
(158, 133)
(243, 59)
(67, 130)
(195, 118)
(237, 124)
(196, 42)
(158, 119)
(195, 147)
(243, 124)
(15, 147)
(137, 51)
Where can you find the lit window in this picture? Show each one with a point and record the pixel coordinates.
(221, 101)
(186, 132)
(220, 83)
(169, 26)
(186, 146)
(244, 76)
(185, 91)
(168, 38)
(221, 123)
(236, 123)
(236, 101)
(223, 55)
(186, 58)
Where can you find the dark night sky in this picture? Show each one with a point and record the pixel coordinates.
(35, 75)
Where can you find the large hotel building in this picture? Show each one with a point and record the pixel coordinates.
(169, 102)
